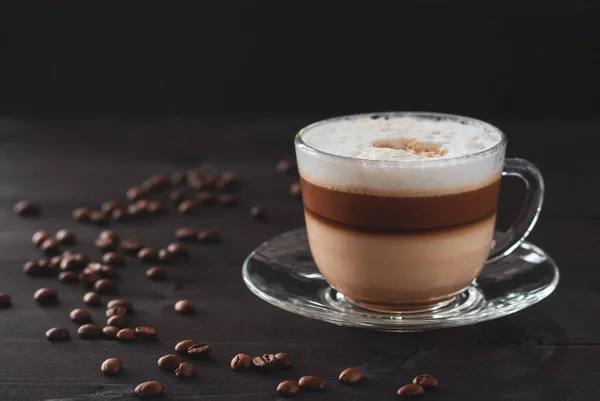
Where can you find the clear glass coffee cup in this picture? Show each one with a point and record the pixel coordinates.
(409, 233)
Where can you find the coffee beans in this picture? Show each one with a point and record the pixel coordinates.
(135, 193)
(351, 376)
(125, 303)
(92, 299)
(46, 296)
(89, 332)
(209, 236)
(80, 316)
(283, 360)
(5, 301)
(186, 234)
(206, 198)
(66, 237)
(183, 346)
(184, 307)
(113, 258)
(178, 178)
(258, 213)
(165, 256)
(410, 391)
(187, 207)
(110, 331)
(109, 234)
(149, 389)
(157, 208)
(58, 334)
(82, 214)
(98, 217)
(50, 246)
(241, 362)
(265, 362)
(111, 367)
(156, 273)
(288, 388)
(39, 237)
(32, 268)
(148, 255)
(106, 244)
(105, 286)
(169, 362)
(126, 335)
(72, 262)
(68, 277)
(177, 250)
(109, 206)
(427, 381)
(311, 383)
(156, 183)
(117, 321)
(185, 370)
(116, 311)
(27, 209)
(131, 246)
(199, 350)
(227, 200)
(285, 166)
(145, 333)
(296, 190)
(176, 197)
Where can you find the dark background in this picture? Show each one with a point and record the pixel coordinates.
(483, 58)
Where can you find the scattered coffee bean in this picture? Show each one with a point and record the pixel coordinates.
(184, 307)
(82, 214)
(80, 316)
(66, 237)
(178, 178)
(208, 181)
(109, 206)
(411, 391)
(68, 277)
(135, 193)
(187, 207)
(206, 198)
(199, 350)
(89, 277)
(165, 256)
(106, 244)
(58, 334)
(186, 234)
(427, 381)
(169, 362)
(39, 237)
(111, 331)
(283, 360)
(116, 311)
(27, 209)
(156, 183)
(183, 346)
(92, 299)
(46, 296)
(148, 255)
(109, 234)
(149, 389)
(209, 236)
(117, 321)
(5, 301)
(119, 214)
(50, 246)
(227, 180)
(185, 370)
(111, 367)
(227, 200)
(265, 362)
(54, 264)
(286, 166)
(241, 362)
(156, 273)
(131, 246)
(288, 388)
(32, 268)
(351, 376)
(89, 331)
(258, 213)
(126, 335)
(311, 383)
(176, 197)
(125, 303)
(138, 210)
(98, 217)
(71, 262)
(296, 190)
(105, 286)
(145, 333)
(157, 208)
(177, 250)
(113, 258)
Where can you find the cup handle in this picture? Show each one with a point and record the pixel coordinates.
(508, 241)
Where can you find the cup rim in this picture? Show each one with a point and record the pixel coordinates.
(299, 142)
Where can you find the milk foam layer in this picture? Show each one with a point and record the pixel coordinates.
(404, 154)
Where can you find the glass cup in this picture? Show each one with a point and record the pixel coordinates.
(387, 249)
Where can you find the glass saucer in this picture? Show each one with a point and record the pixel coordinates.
(282, 272)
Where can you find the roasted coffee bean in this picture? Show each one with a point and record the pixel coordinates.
(58, 334)
(227, 181)
(111, 367)
(116, 311)
(110, 331)
(72, 262)
(185, 370)
(199, 350)
(206, 198)
(32, 268)
(411, 391)
(149, 389)
(286, 166)
(50, 246)
(183, 346)
(177, 250)
(131, 246)
(311, 383)
(283, 360)
(208, 181)
(148, 255)
(117, 321)
(106, 244)
(156, 183)
(136, 193)
(184, 307)
(105, 286)
(82, 214)
(68, 277)
(92, 299)
(136, 212)
(288, 388)
(145, 333)
(227, 200)
(427, 381)
(296, 190)
(126, 335)
(89, 331)
(186, 234)
(265, 362)
(113, 258)
(209, 236)
(39, 237)
(165, 256)
(109, 206)
(258, 213)
(27, 209)
(156, 273)
(157, 208)
(46, 296)
(5, 301)
(98, 217)
(107, 271)
(187, 207)
(241, 362)
(176, 197)
(80, 316)
(125, 303)
(178, 178)
(119, 214)
(109, 234)
(66, 237)
(89, 277)
(169, 362)
(351, 376)
(54, 264)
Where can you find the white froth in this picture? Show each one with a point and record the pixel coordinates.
(407, 154)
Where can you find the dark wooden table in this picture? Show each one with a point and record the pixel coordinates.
(547, 352)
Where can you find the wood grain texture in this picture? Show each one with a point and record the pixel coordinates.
(547, 352)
